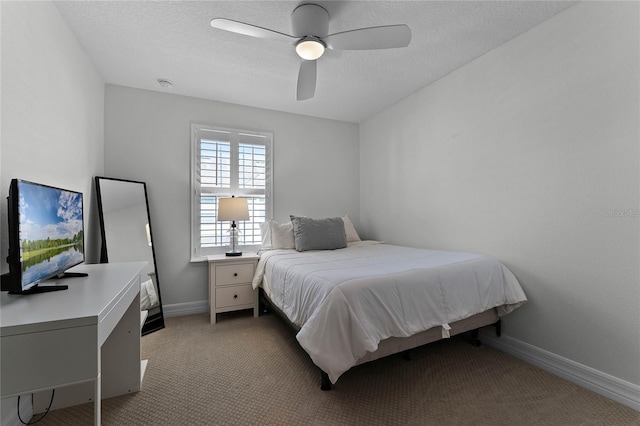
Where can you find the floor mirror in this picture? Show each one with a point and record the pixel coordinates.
(127, 237)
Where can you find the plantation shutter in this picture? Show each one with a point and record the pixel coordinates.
(225, 163)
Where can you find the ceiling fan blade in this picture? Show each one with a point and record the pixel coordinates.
(250, 30)
(307, 80)
(385, 37)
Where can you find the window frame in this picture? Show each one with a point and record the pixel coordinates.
(199, 253)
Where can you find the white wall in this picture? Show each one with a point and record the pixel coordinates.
(530, 154)
(147, 138)
(52, 115)
(52, 108)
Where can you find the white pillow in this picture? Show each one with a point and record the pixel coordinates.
(350, 230)
(281, 235)
(265, 231)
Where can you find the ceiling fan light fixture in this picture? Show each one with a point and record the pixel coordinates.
(310, 48)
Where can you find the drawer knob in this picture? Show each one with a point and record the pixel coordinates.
(235, 274)
(235, 296)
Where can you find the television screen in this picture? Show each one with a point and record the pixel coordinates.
(49, 228)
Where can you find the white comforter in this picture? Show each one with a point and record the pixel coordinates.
(346, 301)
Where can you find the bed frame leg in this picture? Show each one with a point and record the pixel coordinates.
(475, 341)
(263, 307)
(498, 326)
(325, 383)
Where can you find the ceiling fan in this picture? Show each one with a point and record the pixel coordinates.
(310, 25)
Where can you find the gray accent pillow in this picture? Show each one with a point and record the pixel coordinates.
(318, 234)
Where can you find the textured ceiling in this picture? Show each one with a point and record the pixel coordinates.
(133, 43)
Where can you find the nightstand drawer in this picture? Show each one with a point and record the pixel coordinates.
(234, 296)
(234, 274)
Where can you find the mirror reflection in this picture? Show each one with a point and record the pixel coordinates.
(127, 237)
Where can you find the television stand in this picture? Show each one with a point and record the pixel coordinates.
(43, 289)
(71, 275)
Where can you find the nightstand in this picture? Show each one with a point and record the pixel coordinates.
(230, 283)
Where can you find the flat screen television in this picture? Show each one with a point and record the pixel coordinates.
(46, 236)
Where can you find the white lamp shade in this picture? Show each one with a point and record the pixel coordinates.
(233, 209)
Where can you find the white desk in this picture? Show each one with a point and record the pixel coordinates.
(84, 341)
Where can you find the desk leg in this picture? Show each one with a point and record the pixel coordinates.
(97, 401)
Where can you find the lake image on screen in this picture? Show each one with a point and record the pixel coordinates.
(51, 231)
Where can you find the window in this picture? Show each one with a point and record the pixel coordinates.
(228, 162)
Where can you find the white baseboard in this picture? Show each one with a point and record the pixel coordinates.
(602, 383)
(186, 308)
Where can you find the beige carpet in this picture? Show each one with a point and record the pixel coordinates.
(247, 371)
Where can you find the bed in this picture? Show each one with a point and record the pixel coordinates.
(368, 299)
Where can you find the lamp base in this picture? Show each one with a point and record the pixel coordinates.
(233, 253)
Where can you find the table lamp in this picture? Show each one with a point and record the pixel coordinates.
(233, 209)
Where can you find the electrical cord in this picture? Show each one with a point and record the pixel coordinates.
(53, 392)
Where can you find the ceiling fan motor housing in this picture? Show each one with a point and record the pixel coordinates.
(310, 20)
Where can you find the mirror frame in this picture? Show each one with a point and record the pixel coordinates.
(156, 321)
